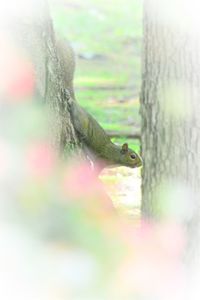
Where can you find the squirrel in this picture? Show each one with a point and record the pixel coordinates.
(88, 129)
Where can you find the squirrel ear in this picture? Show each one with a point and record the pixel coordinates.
(125, 147)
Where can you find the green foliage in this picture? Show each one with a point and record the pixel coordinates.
(112, 21)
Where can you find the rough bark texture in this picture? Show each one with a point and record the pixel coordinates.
(170, 109)
(33, 32)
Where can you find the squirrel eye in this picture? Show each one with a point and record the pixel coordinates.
(133, 156)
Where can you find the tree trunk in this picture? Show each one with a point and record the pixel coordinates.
(170, 109)
(32, 30)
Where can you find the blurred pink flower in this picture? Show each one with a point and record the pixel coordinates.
(153, 262)
(20, 81)
(17, 78)
(81, 182)
(171, 238)
(41, 159)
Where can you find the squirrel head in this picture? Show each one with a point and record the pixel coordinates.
(130, 158)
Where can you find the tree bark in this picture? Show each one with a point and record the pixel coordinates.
(32, 31)
(170, 110)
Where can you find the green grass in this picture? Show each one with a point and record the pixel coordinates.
(110, 72)
(109, 112)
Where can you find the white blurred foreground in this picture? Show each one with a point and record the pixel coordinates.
(60, 237)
